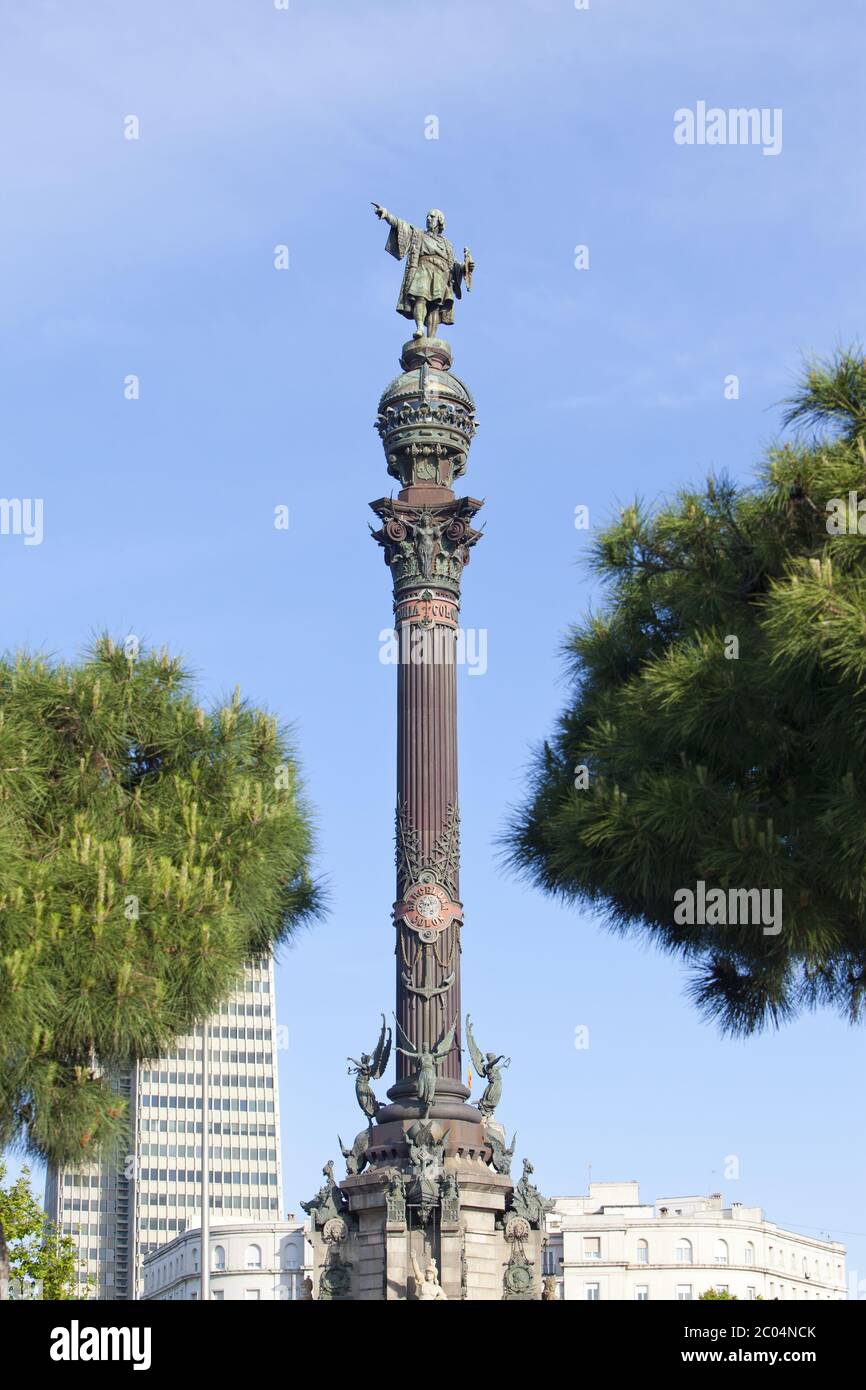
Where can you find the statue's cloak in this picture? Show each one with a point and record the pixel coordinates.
(431, 270)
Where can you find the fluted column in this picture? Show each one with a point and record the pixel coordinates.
(426, 419)
(427, 910)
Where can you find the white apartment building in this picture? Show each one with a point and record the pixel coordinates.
(249, 1261)
(123, 1210)
(610, 1245)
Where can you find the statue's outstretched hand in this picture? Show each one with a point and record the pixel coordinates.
(379, 210)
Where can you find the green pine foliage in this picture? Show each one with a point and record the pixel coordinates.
(746, 771)
(147, 849)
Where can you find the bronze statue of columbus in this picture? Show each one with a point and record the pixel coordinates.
(433, 278)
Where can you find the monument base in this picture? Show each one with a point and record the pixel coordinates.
(428, 1219)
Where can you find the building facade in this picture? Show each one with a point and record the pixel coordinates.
(610, 1245)
(123, 1210)
(249, 1261)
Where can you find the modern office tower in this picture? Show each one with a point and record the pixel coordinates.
(122, 1210)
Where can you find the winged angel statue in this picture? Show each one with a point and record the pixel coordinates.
(370, 1068)
(488, 1066)
(427, 1063)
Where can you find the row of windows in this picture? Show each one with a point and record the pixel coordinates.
(170, 1201)
(232, 1032)
(173, 1267)
(288, 1292)
(685, 1292)
(239, 1030)
(194, 1102)
(684, 1251)
(217, 1175)
(217, 1151)
(87, 1204)
(247, 1079)
(721, 1256)
(190, 1078)
(777, 1257)
(245, 1010)
(239, 1127)
(217, 1203)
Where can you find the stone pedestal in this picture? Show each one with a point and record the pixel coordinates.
(429, 1192)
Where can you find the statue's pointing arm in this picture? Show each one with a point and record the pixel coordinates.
(400, 235)
(384, 215)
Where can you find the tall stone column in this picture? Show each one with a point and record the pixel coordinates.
(426, 421)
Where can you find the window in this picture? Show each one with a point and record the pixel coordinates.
(750, 1293)
(219, 1257)
(641, 1293)
(195, 1259)
(218, 1294)
(721, 1254)
(642, 1252)
(722, 1288)
(684, 1251)
(254, 1257)
(251, 1295)
(592, 1247)
(750, 1253)
(684, 1293)
(593, 1292)
(550, 1260)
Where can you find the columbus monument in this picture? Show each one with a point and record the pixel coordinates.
(428, 1208)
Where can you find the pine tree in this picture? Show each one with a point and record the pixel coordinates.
(147, 849)
(717, 725)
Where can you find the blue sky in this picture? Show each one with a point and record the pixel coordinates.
(259, 388)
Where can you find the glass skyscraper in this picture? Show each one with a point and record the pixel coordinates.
(120, 1211)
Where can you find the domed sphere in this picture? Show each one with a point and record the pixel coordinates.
(440, 386)
(426, 417)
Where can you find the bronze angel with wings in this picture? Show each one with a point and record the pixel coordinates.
(489, 1065)
(370, 1067)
